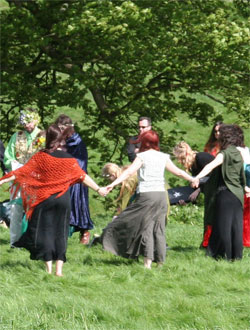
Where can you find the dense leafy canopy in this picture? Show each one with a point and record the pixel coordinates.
(117, 60)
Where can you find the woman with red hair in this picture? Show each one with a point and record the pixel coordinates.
(140, 228)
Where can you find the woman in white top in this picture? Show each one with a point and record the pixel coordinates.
(140, 228)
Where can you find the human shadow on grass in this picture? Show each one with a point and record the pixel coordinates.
(13, 264)
(119, 262)
(115, 262)
(4, 241)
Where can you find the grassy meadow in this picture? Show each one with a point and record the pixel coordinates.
(100, 291)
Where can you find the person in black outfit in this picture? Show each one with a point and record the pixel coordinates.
(229, 186)
(2, 149)
(144, 124)
(45, 180)
(194, 162)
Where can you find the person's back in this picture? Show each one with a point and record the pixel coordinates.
(80, 219)
(151, 174)
(77, 148)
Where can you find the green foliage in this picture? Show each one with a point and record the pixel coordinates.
(191, 214)
(112, 61)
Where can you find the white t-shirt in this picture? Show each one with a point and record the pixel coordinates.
(151, 173)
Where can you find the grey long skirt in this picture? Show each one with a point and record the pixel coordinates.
(139, 229)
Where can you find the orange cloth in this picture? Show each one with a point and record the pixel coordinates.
(44, 175)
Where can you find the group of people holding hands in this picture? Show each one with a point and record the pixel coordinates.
(53, 187)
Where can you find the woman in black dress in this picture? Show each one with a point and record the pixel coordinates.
(44, 181)
(194, 162)
(227, 204)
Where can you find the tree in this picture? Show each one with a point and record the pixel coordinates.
(116, 60)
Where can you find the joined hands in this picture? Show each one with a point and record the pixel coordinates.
(105, 190)
(195, 183)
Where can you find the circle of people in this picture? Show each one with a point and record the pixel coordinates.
(49, 192)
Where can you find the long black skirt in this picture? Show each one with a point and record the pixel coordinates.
(226, 239)
(47, 233)
(139, 229)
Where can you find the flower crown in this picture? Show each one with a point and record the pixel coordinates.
(28, 116)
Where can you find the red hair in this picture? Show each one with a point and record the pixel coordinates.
(148, 140)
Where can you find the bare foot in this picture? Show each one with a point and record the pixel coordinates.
(59, 267)
(147, 263)
(147, 267)
(48, 265)
(59, 274)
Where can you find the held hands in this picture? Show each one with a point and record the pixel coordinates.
(104, 190)
(7, 180)
(195, 183)
(247, 191)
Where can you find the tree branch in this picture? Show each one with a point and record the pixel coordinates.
(214, 98)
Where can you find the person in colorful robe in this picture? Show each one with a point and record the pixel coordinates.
(18, 151)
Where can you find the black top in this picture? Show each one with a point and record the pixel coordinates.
(2, 149)
(131, 148)
(60, 154)
(201, 160)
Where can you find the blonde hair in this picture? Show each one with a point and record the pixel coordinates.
(129, 184)
(184, 154)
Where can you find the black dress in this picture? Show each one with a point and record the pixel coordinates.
(47, 233)
(226, 240)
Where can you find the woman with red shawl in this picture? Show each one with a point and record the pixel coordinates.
(44, 181)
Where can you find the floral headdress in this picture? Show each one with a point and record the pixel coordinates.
(27, 116)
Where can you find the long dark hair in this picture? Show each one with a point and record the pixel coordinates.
(148, 140)
(65, 123)
(55, 138)
(212, 141)
(231, 135)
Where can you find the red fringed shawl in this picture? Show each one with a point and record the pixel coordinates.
(44, 175)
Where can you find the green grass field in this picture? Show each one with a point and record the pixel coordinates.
(102, 291)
